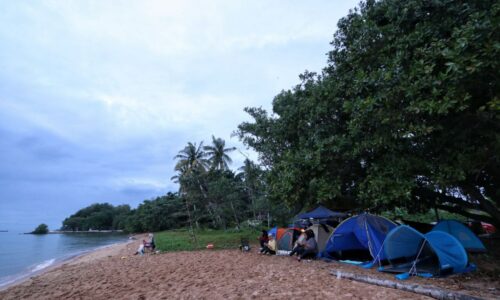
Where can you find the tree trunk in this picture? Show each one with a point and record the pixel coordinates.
(427, 290)
(235, 216)
(485, 204)
(191, 229)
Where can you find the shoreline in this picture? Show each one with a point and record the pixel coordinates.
(114, 272)
(75, 258)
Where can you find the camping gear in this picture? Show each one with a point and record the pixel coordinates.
(245, 245)
(463, 234)
(288, 238)
(411, 253)
(359, 238)
(322, 233)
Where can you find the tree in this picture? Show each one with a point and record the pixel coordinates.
(218, 154)
(98, 216)
(405, 114)
(191, 159)
(41, 229)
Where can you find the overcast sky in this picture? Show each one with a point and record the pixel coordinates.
(96, 97)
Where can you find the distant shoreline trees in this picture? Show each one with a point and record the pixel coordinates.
(41, 229)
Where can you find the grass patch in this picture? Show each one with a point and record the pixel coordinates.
(180, 239)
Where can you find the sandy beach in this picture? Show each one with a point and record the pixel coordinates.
(115, 273)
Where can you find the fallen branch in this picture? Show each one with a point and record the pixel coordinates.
(427, 290)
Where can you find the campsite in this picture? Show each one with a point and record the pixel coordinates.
(227, 272)
(250, 149)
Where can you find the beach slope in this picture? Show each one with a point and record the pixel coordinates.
(115, 273)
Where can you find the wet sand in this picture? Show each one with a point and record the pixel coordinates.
(115, 273)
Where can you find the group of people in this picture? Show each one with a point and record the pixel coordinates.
(304, 247)
(145, 245)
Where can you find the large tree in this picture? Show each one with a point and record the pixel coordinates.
(405, 114)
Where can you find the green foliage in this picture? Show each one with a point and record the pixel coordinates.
(97, 217)
(41, 229)
(180, 240)
(162, 213)
(406, 114)
(424, 217)
(215, 196)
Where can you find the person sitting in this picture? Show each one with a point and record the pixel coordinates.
(263, 239)
(151, 244)
(140, 250)
(310, 249)
(270, 246)
(299, 243)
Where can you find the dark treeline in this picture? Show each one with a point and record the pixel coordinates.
(404, 115)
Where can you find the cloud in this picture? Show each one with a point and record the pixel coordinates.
(97, 97)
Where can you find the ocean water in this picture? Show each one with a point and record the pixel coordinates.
(23, 255)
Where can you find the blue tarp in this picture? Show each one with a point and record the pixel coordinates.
(463, 234)
(362, 232)
(321, 212)
(435, 253)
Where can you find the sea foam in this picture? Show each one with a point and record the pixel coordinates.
(43, 265)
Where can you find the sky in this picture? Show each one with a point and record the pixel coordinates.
(97, 97)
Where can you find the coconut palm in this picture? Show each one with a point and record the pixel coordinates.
(191, 159)
(217, 154)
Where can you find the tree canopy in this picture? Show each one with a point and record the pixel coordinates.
(406, 113)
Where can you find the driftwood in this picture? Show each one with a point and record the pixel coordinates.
(427, 290)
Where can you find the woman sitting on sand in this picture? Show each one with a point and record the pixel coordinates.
(270, 246)
(310, 248)
(151, 245)
(263, 239)
(300, 243)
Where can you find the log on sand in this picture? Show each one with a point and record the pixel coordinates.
(426, 290)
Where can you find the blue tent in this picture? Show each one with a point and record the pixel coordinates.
(273, 231)
(463, 234)
(412, 253)
(321, 212)
(359, 238)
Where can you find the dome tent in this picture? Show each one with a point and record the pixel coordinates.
(287, 239)
(358, 238)
(411, 253)
(463, 234)
(322, 233)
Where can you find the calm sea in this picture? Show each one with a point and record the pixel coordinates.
(22, 255)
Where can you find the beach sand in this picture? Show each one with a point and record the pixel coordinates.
(115, 273)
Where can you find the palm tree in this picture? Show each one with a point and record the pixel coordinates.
(191, 162)
(250, 174)
(217, 154)
(191, 159)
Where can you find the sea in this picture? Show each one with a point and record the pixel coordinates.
(24, 255)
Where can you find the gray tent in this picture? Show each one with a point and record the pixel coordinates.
(322, 233)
